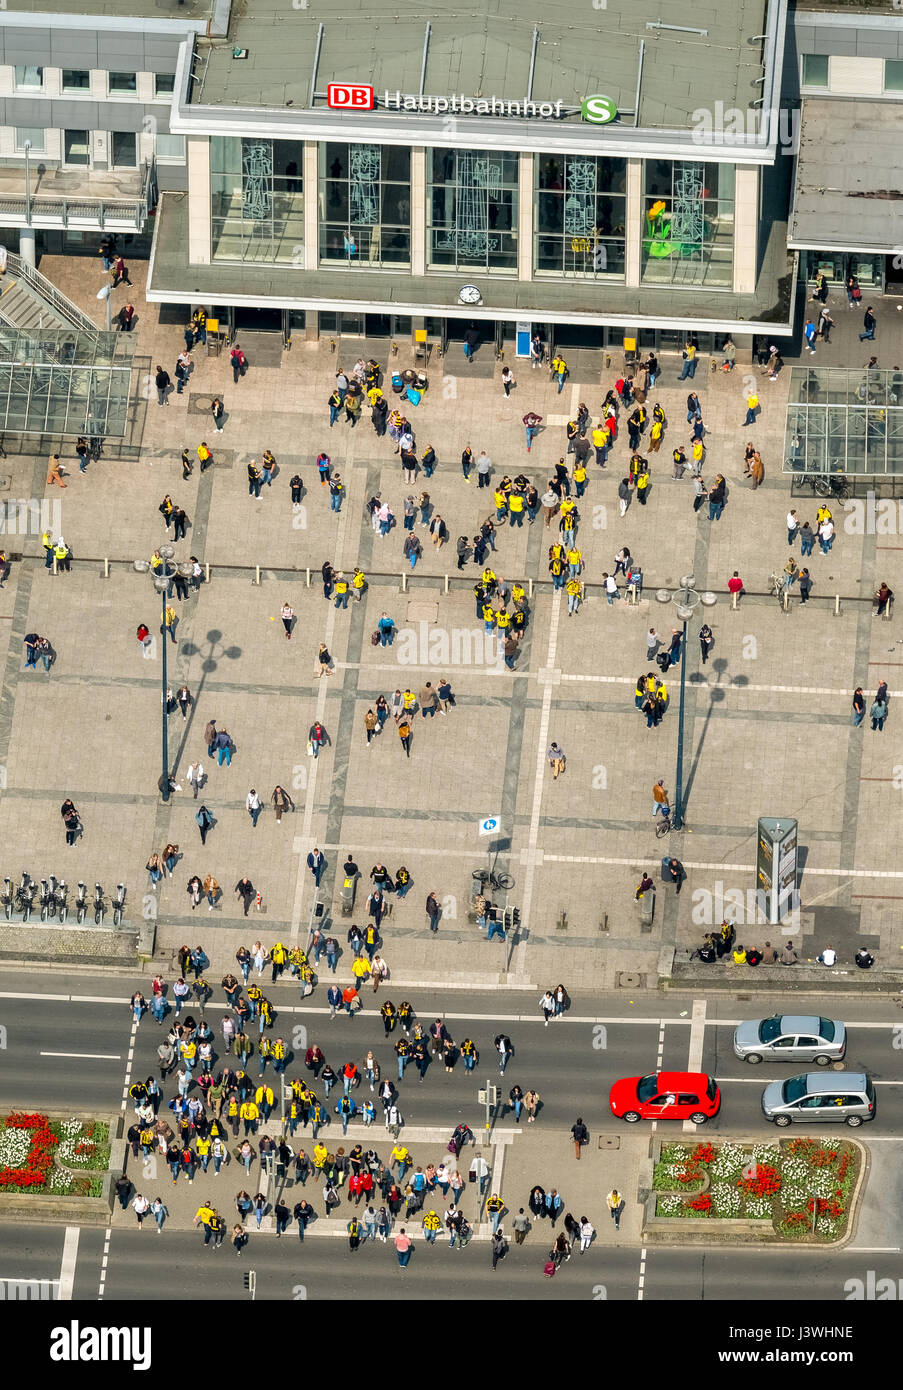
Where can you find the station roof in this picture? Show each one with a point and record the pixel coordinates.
(694, 55)
(848, 194)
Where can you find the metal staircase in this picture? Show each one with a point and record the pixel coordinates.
(30, 304)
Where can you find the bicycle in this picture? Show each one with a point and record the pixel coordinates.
(663, 825)
(29, 897)
(95, 447)
(81, 902)
(118, 904)
(776, 587)
(494, 880)
(60, 903)
(45, 899)
(21, 893)
(100, 906)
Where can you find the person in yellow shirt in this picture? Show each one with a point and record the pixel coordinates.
(321, 1153)
(655, 436)
(410, 701)
(358, 583)
(202, 1149)
(204, 1215)
(574, 561)
(579, 476)
(516, 507)
(401, 1158)
(501, 504)
(488, 614)
(518, 596)
(360, 969)
(250, 1114)
(502, 622)
(573, 588)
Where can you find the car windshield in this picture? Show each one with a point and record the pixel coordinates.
(647, 1087)
(827, 1029)
(711, 1089)
(793, 1089)
(769, 1029)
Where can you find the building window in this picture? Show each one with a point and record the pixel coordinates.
(76, 80)
(688, 223)
(164, 84)
(893, 75)
(76, 149)
(257, 204)
(580, 216)
(124, 144)
(170, 147)
(31, 78)
(473, 210)
(123, 83)
(33, 133)
(815, 70)
(365, 204)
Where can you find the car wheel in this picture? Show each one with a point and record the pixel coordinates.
(753, 1058)
(782, 1121)
(698, 1118)
(630, 1116)
(854, 1121)
(822, 1061)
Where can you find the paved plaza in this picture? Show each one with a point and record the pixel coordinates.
(767, 720)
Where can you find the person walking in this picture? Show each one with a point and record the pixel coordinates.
(869, 323)
(858, 707)
(556, 759)
(615, 1207)
(288, 619)
(580, 1135)
(163, 382)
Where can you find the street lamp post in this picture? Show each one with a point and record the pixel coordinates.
(686, 601)
(26, 146)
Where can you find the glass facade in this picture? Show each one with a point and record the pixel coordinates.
(580, 216)
(688, 223)
(472, 210)
(257, 203)
(844, 420)
(365, 204)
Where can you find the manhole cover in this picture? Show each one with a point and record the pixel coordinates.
(628, 981)
(609, 1141)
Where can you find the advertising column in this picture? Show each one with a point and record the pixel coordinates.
(777, 853)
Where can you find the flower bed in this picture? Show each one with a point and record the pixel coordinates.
(792, 1184)
(37, 1154)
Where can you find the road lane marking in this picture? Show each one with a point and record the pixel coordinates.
(94, 1056)
(67, 1268)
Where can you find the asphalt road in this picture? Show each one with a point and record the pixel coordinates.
(564, 1062)
(142, 1266)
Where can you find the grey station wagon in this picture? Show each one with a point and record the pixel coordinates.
(817, 1098)
(791, 1038)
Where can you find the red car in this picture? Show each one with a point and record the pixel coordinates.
(667, 1095)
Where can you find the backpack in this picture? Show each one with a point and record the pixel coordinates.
(549, 1268)
(663, 661)
(374, 639)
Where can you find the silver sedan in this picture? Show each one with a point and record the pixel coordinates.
(791, 1038)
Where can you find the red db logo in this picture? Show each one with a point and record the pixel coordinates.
(346, 96)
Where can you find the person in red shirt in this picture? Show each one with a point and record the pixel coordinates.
(735, 585)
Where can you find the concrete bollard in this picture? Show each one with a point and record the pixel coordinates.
(257, 575)
(106, 567)
(446, 584)
(207, 574)
(307, 577)
(837, 605)
(404, 582)
(735, 600)
(529, 588)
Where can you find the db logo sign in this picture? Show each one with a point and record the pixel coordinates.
(349, 96)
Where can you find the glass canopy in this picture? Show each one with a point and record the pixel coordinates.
(847, 420)
(63, 382)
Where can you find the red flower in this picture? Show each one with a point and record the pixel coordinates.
(701, 1203)
(764, 1183)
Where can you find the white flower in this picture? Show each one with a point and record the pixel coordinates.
(758, 1208)
(15, 1146)
(725, 1199)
